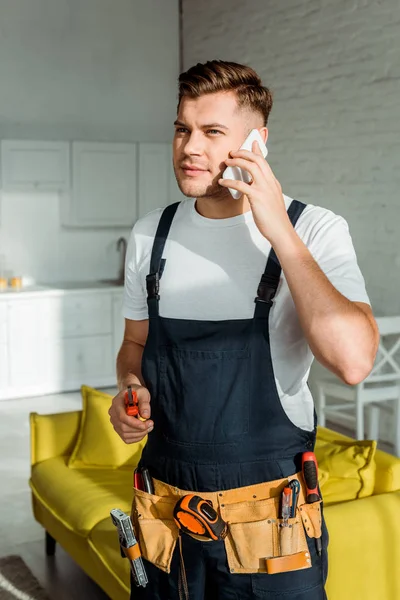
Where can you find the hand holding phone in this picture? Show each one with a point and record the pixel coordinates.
(241, 174)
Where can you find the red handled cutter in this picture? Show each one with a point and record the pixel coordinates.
(131, 402)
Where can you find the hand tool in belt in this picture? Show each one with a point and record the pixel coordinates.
(295, 487)
(197, 517)
(286, 501)
(310, 474)
(129, 546)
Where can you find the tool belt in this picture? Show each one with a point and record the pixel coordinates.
(255, 535)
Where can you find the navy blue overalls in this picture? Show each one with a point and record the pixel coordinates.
(219, 424)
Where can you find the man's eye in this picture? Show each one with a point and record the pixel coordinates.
(183, 129)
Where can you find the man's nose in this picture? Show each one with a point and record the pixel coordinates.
(194, 144)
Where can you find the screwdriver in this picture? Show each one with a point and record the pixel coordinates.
(310, 474)
(286, 505)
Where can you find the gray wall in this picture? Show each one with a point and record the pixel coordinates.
(88, 69)
(334, 68)
(101, 70)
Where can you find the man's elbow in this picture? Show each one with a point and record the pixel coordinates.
(358, 370)
(355, 374)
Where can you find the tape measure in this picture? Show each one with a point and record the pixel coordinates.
(198, 518)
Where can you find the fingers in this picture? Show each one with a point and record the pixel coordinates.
(244, 159)
(236, 185)
(143, 395)
(130, 429)
(243, 163)
(256, 148)
(253, 157)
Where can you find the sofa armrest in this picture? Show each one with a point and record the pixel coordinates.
(53, 435)
(387, 477)
(364, 552)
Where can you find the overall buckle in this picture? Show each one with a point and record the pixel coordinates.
(153, 285)
(267, 289)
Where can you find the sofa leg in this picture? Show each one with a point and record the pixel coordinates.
(50, 545)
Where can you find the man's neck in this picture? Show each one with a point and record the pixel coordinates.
(222, 208)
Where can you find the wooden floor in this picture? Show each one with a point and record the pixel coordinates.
(60, 576)
(19, 532)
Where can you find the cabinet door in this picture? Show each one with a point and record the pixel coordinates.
(3, 347)
(157, 182)
(78, 315)
(154, 175)
(3, 367)
(83, 360)
(26, 343)
(119, 322)
(30, 166)
(174, 193)
(103, 186)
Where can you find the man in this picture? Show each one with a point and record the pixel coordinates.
(241, 294)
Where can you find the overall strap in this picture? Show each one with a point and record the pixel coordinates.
(270, 278)
(157, 263)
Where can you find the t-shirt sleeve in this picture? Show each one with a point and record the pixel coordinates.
(331, 245)
(135, 297)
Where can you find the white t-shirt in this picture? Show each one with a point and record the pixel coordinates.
(212, 273)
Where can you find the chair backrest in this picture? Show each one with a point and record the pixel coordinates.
(387, 362)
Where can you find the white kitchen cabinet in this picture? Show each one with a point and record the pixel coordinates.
(80, 315)
(157, 182)
(26, 343)
(3, 347)
(80, 333)
(35, 166)
(3, 367)
(3, 322)
(55, 342)
(104, 181)
(174, 193)
(82, 360)
(119, 322)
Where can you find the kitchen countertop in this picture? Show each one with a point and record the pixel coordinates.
(59, 288)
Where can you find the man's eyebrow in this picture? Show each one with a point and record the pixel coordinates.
(207, 125)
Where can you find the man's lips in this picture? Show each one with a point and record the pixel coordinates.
(192, 171)
(192, 168)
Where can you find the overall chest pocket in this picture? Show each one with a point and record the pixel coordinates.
(204, 395)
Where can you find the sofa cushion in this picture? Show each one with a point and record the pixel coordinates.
(350, 465)
(98, 445)
(80, 498)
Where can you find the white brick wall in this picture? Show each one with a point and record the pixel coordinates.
(334, 68)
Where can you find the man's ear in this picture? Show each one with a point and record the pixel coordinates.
(264, 134)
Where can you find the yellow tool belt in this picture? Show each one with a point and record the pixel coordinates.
(255, 531)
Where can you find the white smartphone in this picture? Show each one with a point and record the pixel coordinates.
(241, 174)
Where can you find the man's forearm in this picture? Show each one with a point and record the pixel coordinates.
(129, 364)
(341, 335)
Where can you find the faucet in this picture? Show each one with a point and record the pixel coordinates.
(121, 243)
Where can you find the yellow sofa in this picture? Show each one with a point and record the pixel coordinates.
(73, 506)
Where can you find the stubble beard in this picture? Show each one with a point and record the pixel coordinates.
(193, 189)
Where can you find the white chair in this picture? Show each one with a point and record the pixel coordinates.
(381, 386)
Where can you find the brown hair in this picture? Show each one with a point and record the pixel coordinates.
(218, 76)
